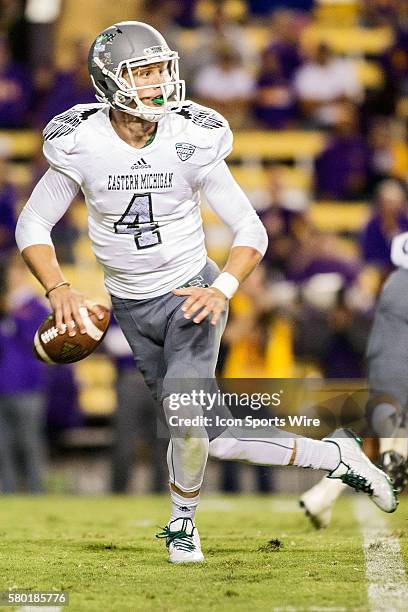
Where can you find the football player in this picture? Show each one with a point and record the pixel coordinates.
(140, 157)
(387, 408)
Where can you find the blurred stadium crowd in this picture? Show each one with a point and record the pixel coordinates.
(317, 95)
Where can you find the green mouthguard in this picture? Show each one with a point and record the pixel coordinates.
(158, 100)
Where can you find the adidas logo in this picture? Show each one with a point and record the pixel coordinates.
(140, 165)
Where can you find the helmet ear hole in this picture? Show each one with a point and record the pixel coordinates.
(103, 83)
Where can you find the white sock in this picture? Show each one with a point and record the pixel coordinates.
(183, 507)
(285, 450)
(258, 451)
(316, 454)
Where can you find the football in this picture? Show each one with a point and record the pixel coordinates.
(52, 347)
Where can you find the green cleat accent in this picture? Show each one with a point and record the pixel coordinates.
(359, 483)
(181, 539)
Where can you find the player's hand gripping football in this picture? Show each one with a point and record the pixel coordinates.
(202, 302)
(66, 304)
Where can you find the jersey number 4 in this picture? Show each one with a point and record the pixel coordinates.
(138, 220)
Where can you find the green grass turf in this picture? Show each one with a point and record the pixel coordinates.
(103, 551)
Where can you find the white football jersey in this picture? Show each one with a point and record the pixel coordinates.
(143, 204)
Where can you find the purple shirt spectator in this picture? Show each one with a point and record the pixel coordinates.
(264, 7)
(15, 95)
(280, 111)
(285, 35)
(341, 170)
(67, 91)
(15, 90)
(278, 222)
(328, 265)
(62, 410)
(20, 371)
(274, 104)
(395, 64)
(288, 55)
(390, 219)
(342, 359)
(7, 218)
(375, 244)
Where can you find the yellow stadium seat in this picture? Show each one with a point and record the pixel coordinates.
(351, 41)
(96, 376)
(370, 73)
(97, 401)
(83, 252)
(402, 107)
(259, 36)
(84, 20)
(20, 175)
(79, 215)
(288, 144)
(95, 371)
(187, 40)
(24, 143)
(348, 40)
(347, 247)
(87, 279)
(234, 9)
(343, 13)
(340, 216)
(253, 177)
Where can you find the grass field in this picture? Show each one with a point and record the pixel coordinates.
(261, 554)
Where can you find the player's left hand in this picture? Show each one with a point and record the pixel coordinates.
(202, 302)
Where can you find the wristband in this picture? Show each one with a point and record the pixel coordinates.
(61, 284)
(226, 283)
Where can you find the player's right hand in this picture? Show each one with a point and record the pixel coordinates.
(66, 304)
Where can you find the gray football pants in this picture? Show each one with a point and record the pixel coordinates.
(167, 348)
(387, 350)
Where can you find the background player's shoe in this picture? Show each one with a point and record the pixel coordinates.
(356, 470)
(318, 502)
(396, 467)
(182, 541)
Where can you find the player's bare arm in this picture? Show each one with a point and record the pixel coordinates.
(205, 301)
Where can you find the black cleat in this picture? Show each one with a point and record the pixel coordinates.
(396, 466)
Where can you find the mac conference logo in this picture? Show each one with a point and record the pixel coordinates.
(184, 150)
